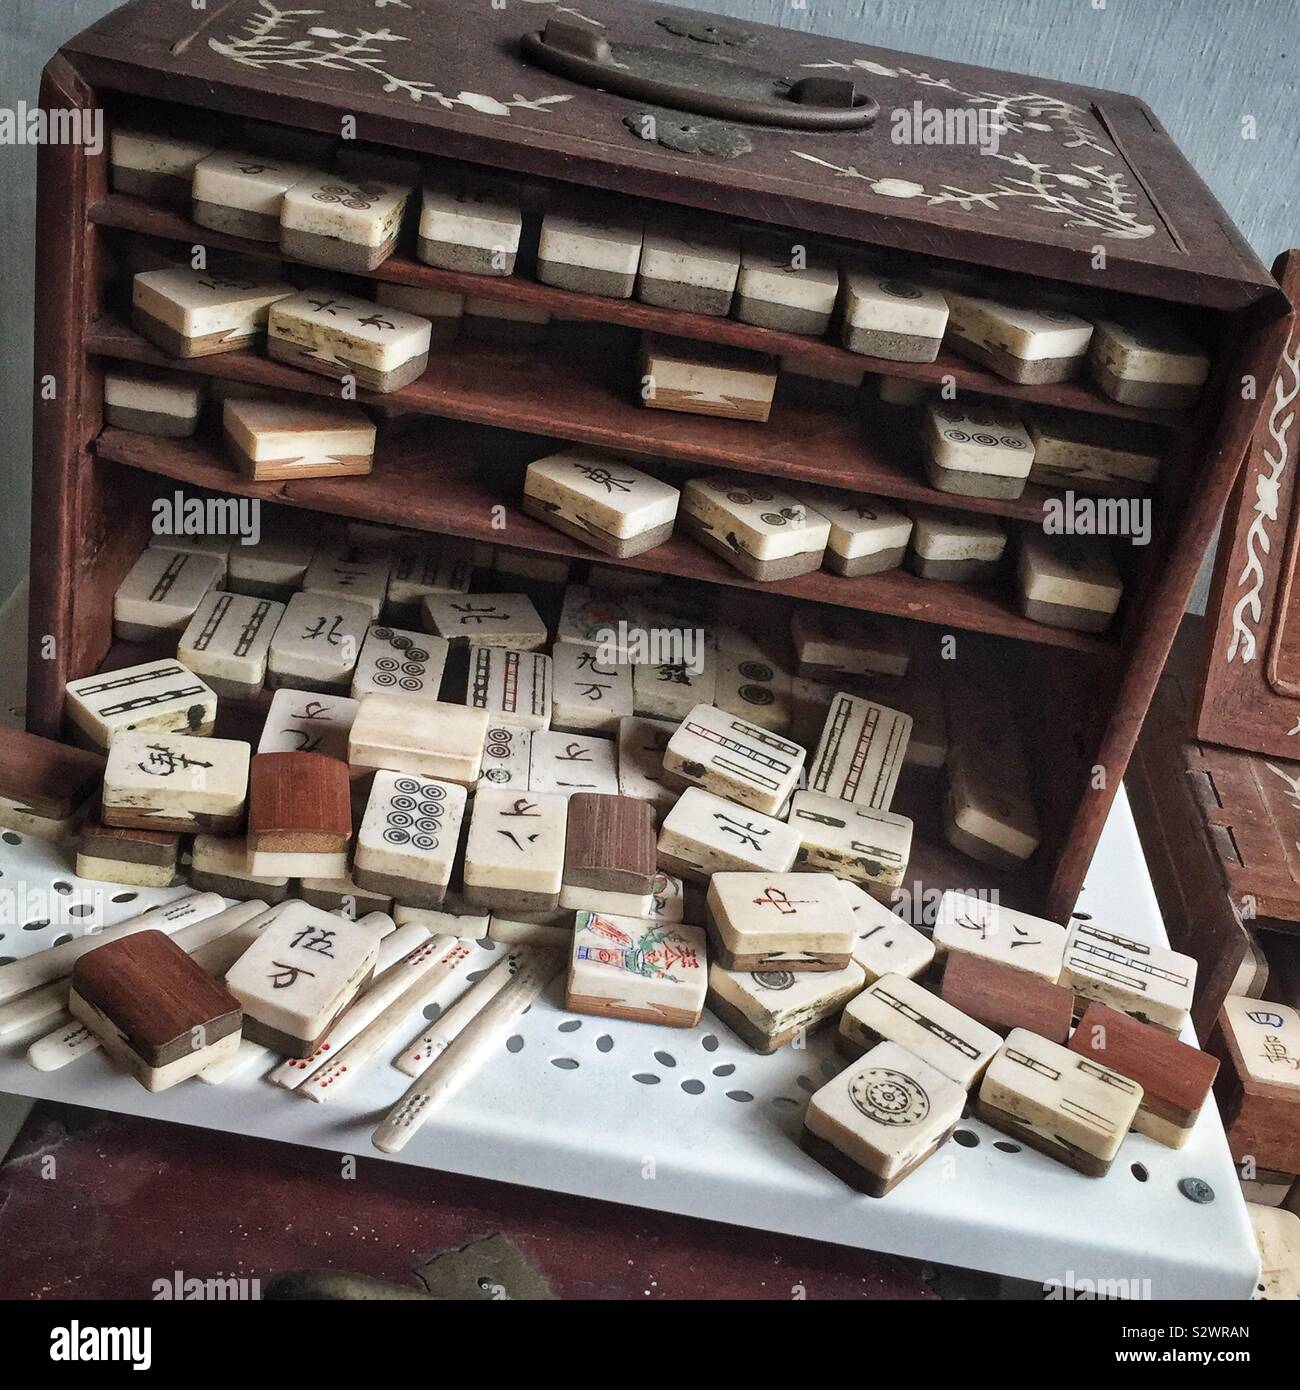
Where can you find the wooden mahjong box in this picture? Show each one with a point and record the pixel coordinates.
(1073, 202)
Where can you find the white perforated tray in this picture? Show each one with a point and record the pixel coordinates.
(694, 1122)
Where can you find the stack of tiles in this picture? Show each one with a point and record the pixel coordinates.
(1143, 360)
(1002, 998)
(628, 967)
(609, 856)
(338, 336)
(733, 758)
(704, 835)
(426, 738)
(706, 379)
(641, 745)
(881, 1118)
(44, 786)
(228, 643)
(590, 246)
(441, 308)
(158, 696)
(688, 264)
(784, 285)
(1059, 1102)
(304, 969)
(514, 854)
(340, 223)
(886, 316)
(224, 865)
(300, 721)
(485, 620)
(470, 225)
(769, 1009)
(138, 858)
(317, 643)
(885, 944)
(514, 687)
(157, 1013)
(1033, 346)
(781, 921)
(765, 533)
(1092, 453)
(867, 535)
(861, 752)
(1258, 1086)
(1151, 983)
(562, 764)
(988, 811)
(395, 660)
(240, 193)
(587, 697)
(299, 816)
(196, 313)
(860, 844)
(152, 403)
(896, 1009)
(955, 548)
(176, 782)
(407, 841)
(976, 451)
(159, 168)
(1065, 582)
(276, 439)
(602, 500)
(273, 568)
(835, 646)
(1175, 1078)
(161, 593)
(975, 926)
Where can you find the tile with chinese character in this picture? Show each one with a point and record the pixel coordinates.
(783, 921)
(980, 927)
(1258, 1085)
(239, 193)
(317, 643)
(337, 335)
(641, 744)
(703, 835)
(486, 620)
(885, 944)
(514, 854)
(157, 781)
(563, 763)
(196, 313)
(600, 499)
(303, 721)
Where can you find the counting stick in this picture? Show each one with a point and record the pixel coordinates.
(33, 971)
(341, 1069)
(246, 1056)
(391, 978)
(454, 1065)
(39, 1008)
(414, 1059)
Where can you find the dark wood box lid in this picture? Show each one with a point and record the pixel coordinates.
(1076, 168)
(156, 995)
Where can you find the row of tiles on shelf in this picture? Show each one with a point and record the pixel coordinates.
(347, 219)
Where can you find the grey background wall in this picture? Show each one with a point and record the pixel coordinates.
(1204, 65)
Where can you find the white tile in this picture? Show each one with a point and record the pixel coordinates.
(318, 641)
(410, 831)
(416, 735)
(865, 846)
(470, 224)
(831, 644)
(731, 757)
(641, 744)
(158, 695)
(600, 498)
(755, 518)
(393, 659)
(162, 592)
(703, 834)
(671, 690)
(861, 752)
(563, 763)
(486, 620)
(588, 697)
(781, 921)
(755, 689)
(302, 721)
(428, 565)
(355, 572)
(982, 928)
(514, 854)
(886, 945)
(199, 312)
(507, 756)
(779, 1004)
(272, 566)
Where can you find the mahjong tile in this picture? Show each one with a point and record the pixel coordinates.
(398, 661)
(768, 1009)
(228, 642)
(515, 687)
(861, 752)
(641, 744)
(564, 763)
(406, 844)
(629, 967)
(764, 532)
(703, 834)
(485, 620)
(317, 643)
(727, 755)
(158, 696)
(980, 927)
(780, 921)
(341, 222)
(162, 592)
(514, 854)
(304, 721)
(196, 313)
(600, 499)
(586, 696)
(470, 225)
(164, 781)
(857, 842)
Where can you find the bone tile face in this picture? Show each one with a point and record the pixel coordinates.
(785, 284)
(563, 763)
(1092, 453)
(949, 546)
(862, 845)
(228, 642)
(756, 525)
(731, 757)
(317, 643)
(274, 439)
(706, 379)
(486, 620)
(1016, 341)
(989, 810)
(1152, 983)
(1065, 581)
(159, 696)
(395, 660)
(670, 691)
(514, 855)
(338, 335)
(981, 928)
(355, 572)
(861, 752)
(885, 944)
(867, 535)
(756, 690)
(195, 313)
(588, 697)
(152, 405)
(886, 316)
(408, 733)
(882, 1117)
(628, 967)
(784, 921)
(668, 898)
(829, 645)
(153, 165)
(407, 841)
(514, 687)
(470, 225)
(240, 193)
(590, 245)
(601, 499)
(703, 835)
(768, 1008)
(507, 756)
(594, 617)
(1066, 1105)
(162, 591)
(978, 439)
(301, 721)
(641, 744)
(1267, 1037)
(342, 223)
(897, 1009)
(688, 264)
(301, 972)
(175, 782)
(273, 568)
(423, 566)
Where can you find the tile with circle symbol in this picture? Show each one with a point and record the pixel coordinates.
(340, 222)
(1020, 341)
(406, 845)
(887, 316)
(769, 1009)
(507, 757)
(395, 660)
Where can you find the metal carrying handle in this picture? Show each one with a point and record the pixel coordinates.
(699, 83)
